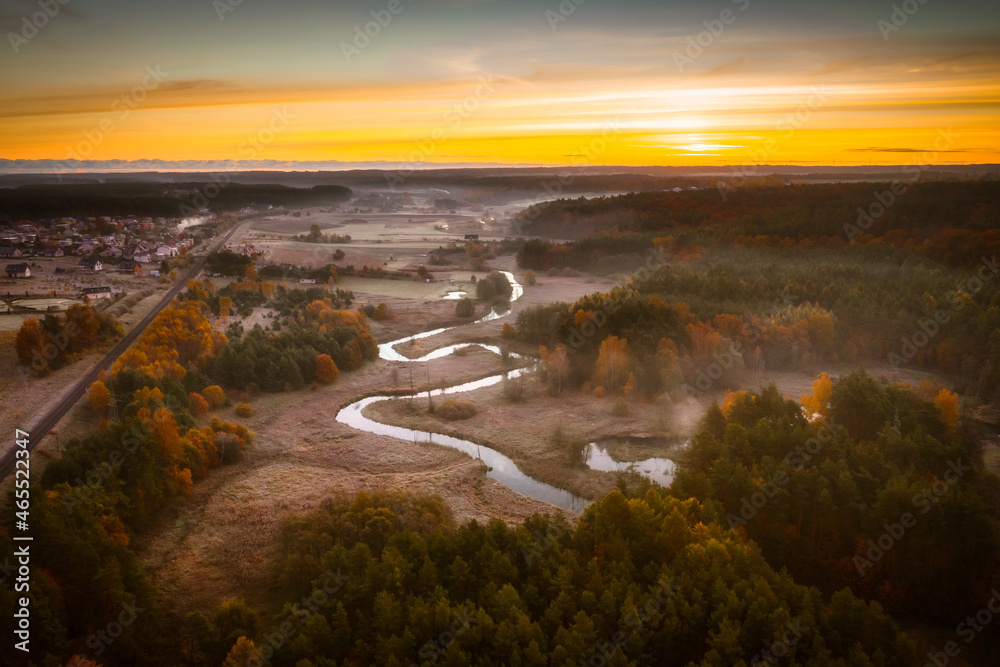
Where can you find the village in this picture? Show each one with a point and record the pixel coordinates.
(52, 264)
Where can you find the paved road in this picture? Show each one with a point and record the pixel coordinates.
(49, 420)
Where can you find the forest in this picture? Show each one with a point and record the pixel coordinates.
(32, 202)
(956, 223)
(763, 308)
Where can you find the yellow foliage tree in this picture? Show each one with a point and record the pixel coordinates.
(215, 396)
(612, 368)
(730, 400)
(819, 401)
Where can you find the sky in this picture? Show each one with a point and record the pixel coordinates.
(540, 82)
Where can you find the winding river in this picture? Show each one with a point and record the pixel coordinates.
(499, 467)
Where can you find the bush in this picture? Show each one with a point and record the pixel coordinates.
(570, 273)
(326, 369)
(529, 278)
(199, 406)
(465, 308)
(552, 272)
(599, 392)
(455, 410)
(621, 408)
(507, 331)
(215, 396)
(244, 410)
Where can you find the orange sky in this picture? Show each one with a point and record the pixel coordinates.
(495, 83)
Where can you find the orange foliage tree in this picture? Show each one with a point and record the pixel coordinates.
(99, 398)
(947, 403)
(326, 369)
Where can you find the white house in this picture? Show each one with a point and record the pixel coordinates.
(97, 293)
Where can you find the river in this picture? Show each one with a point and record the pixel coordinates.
(499, 467)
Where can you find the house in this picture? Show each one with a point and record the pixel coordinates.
(141, 256)
(96, 293)
(7, 251)
(165, 251)
(18, 271)
(130, 266)
(90, 265)
(53, 251)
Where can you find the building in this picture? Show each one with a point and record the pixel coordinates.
(7, 251)
(96, 293)
(165, 251)
(141, 256)
(53, 251)
(90, 265)
(18, 271)
(130, 266)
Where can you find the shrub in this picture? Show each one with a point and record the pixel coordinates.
(455, 410)
(507, 331)
(215, 396)
(621, 408)
(199, 406)
(326, 369)
(552, 272)
(530, 278)
(244, 410)
(465, 308)
(599, 392)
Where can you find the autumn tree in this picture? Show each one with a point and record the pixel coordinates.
(215, 396)
(326, 369)
(199, 406)
(612, 368)
(507, 331)
(30, 343)
(947, 404)
(818, 402)
(99, 398)
(557, 370)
